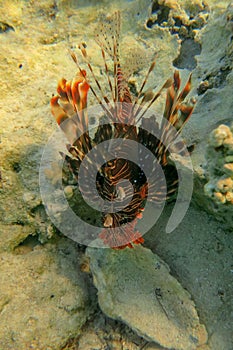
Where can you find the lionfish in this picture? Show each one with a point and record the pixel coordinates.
(124, 111)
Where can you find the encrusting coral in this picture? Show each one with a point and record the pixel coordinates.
(220, 165)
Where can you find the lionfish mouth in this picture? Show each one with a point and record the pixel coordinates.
(122, 186)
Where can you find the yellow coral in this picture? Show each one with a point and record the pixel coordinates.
(225, 185)
(229, 169)
(229, 197)
(219, 197)
(220, 165)
(218, 136)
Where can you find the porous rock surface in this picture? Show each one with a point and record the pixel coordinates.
(214, 78)
(44, 298)
(219, 167)
(135, 286)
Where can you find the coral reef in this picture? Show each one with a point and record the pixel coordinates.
(213, 78)
(181, 17)
(185, 19)
(219, 168)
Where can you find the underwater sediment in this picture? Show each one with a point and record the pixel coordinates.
(46, 300)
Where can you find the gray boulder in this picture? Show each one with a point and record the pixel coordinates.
(135, 286)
